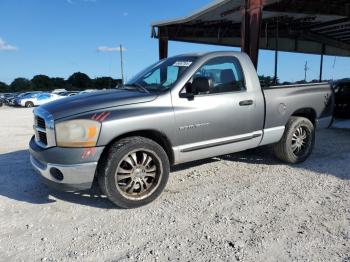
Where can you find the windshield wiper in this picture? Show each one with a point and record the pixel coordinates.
(139, 87)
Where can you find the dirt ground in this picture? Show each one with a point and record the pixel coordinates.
(246, 206)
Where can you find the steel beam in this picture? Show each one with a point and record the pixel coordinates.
(325, 40)
(328, 7)
(250, 28)
(321, 62)
(163, 44)
(321, 25)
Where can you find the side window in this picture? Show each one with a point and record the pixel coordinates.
(172, 75)
(225, 73)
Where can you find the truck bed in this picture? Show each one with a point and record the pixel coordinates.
(286, 100)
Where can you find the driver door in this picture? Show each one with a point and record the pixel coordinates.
(216, 122)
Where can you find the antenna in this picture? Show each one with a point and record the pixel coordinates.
(121, 63)
(306, 68)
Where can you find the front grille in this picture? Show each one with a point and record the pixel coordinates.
(40, 122)
(44, 128)
(42, 137)
(41, 130)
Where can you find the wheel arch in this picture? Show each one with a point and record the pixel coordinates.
(308, 113)
(28, 102)
(154, 135)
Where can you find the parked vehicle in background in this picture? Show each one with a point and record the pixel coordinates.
(39, 99)
(342, 98)
(87, 91)
(3, 97)
(56, 91)
(24, 97)
(181, 109)
(18, 99)
(10, 100)
(68, 93)
(7, 97)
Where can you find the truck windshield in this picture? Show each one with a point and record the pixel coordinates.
(163, 74)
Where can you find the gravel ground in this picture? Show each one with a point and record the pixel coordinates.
(246, 206)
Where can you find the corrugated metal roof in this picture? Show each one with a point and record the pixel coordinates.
(308, 26)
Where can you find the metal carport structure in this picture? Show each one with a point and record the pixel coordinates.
(306, 26)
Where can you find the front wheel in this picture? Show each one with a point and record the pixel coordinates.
(297, 141)
(134, 172)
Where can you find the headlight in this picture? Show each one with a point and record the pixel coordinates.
(77, 133)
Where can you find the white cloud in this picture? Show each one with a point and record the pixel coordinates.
(6, 47)
(110, 49)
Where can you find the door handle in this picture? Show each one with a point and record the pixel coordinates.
(246, 102)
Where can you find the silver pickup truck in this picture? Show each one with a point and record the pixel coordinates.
(180, 109)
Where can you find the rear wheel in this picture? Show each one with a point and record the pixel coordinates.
(134, 172)
(29, 104)
(297, 141)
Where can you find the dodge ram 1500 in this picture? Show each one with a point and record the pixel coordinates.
(180, 109)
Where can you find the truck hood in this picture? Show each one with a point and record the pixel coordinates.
(78, 104)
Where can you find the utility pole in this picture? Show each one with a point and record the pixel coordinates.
(335, 59)
(276, 53)
(121, 63)
(306, 68)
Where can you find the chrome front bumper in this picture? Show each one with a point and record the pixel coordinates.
(74, 177)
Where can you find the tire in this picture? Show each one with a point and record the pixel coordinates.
(289, 148)
(29, 104)
(125, 180)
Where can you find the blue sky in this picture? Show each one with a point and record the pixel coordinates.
(59, 37)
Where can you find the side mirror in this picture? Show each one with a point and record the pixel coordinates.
(189, 96)
(202, 84)
(199, 85)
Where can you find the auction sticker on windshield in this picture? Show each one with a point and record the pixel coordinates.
(182, 63)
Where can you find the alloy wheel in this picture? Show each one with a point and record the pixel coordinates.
(300, 140)
(138, 174)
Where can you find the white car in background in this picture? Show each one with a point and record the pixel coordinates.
(87, 91)
(39, 99)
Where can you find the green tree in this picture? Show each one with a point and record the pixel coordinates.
(104, 82)
(41, 83)
(117, 83)
(4, 87)
(266, 81)
(79, 81)
(58, 83)
(20, 84)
